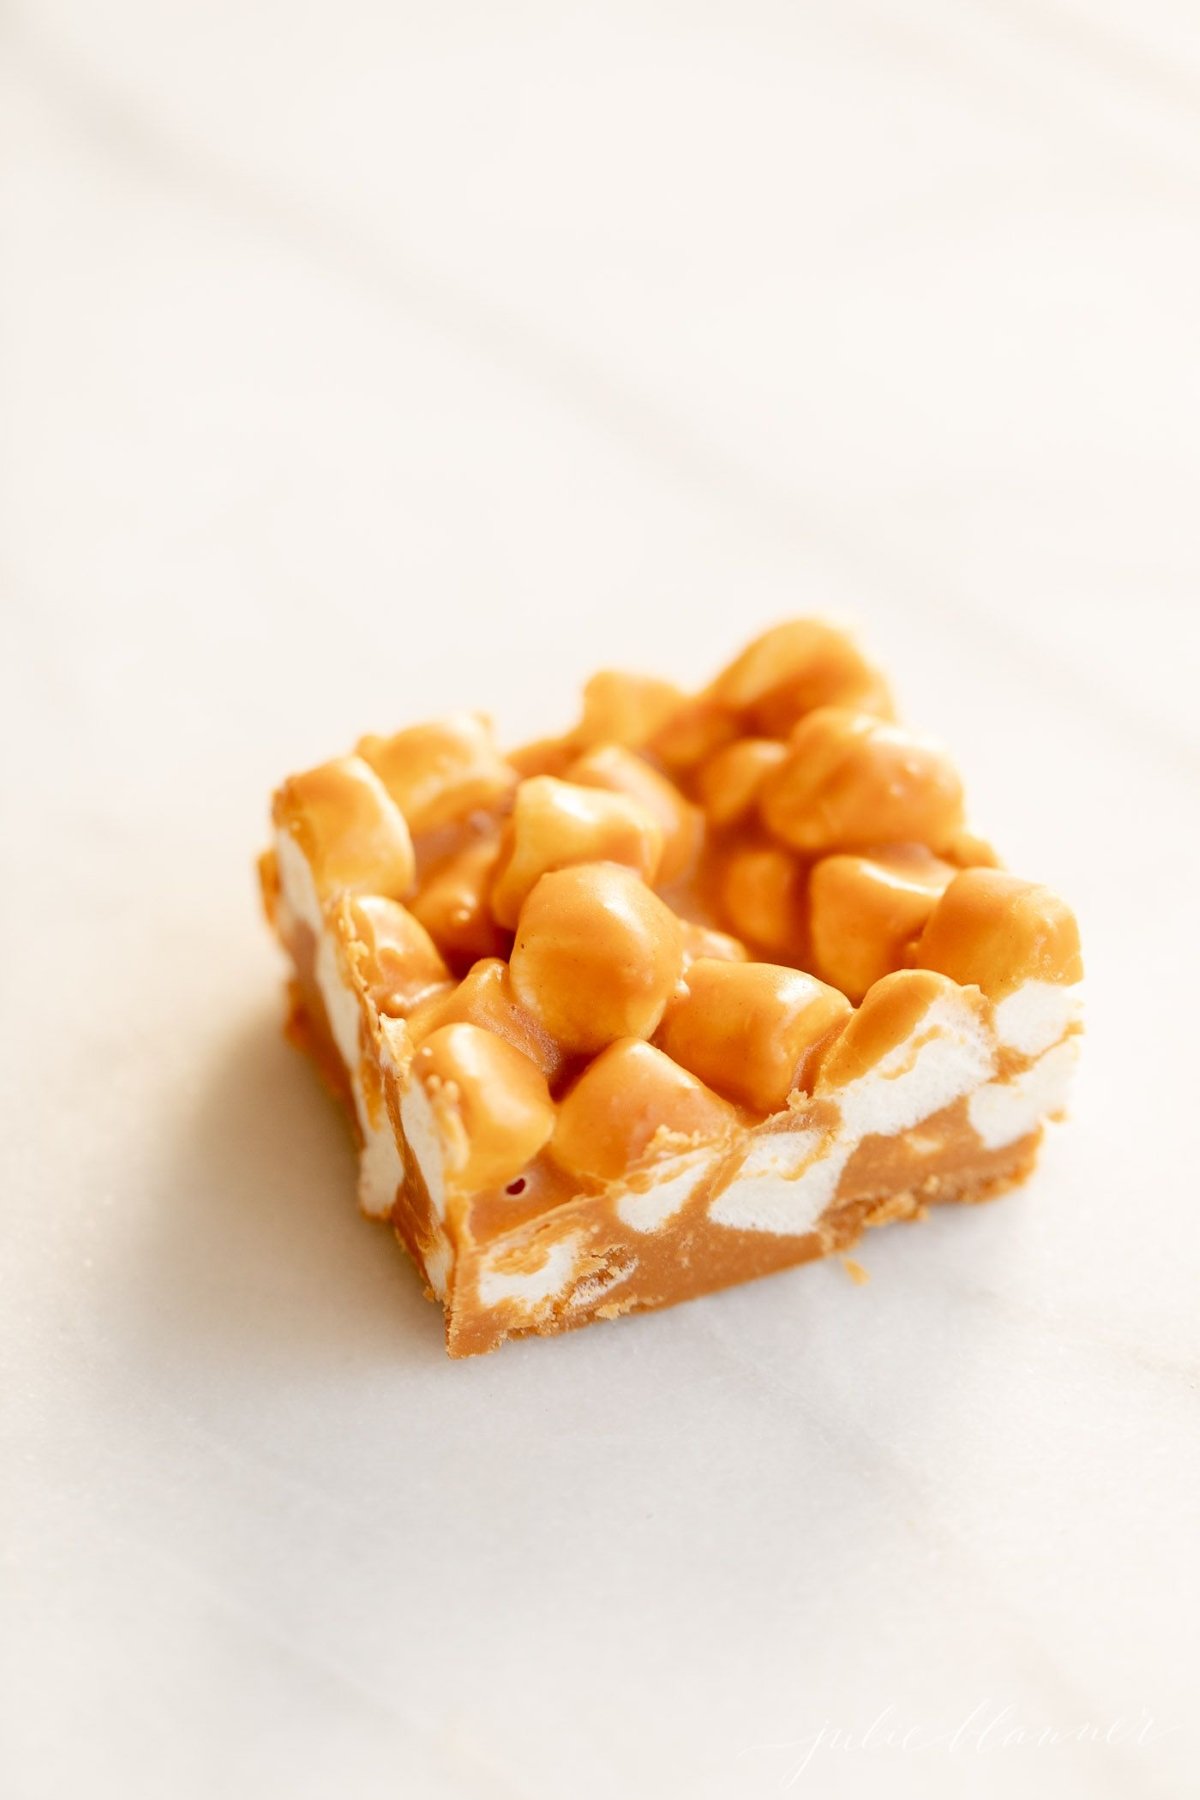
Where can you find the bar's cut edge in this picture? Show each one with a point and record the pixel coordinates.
(998, 1069)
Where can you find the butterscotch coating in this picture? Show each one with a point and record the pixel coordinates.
(727, 783)
(556, 824)
(269, 886)
(634, 1103)
(970, 850)
(994, 931)
(625, 709)
(697, 731)
(794, 668)
(891, 1012)
(706, 940)
(454, 904)
(751, 1030)
(349, 829)
(620, 771)
(864, 911)
(392, 956)
(851, 782)
(442, 771)
(543, 756)
(485, 997)
(492, 1105)
(761, 894)
(597, 956)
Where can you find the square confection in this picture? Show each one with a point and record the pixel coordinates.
(698, 990)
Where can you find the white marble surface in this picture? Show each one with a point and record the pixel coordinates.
(360, 359)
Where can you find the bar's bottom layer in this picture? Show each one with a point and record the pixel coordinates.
(583, 1261)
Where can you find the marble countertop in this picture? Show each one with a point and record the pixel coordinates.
(364, 360)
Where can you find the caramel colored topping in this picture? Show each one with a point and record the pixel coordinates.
(597, 956)
(850, 783)
(492, 1104)
(703, 940)
(781, 714)
(268, 885)
(484, 997)
(349, 829)
(968, 850)
(556, 825)
(454, 904)
(697, 731)
(620, 771)
(890, 1012)
(750, 1029)
(727, 784)
(392, 956)
(544, 756)
(994, 931)
(761, 894)
(440, 772)
(795, 668)
(631, 1103)
(865, 910)
(625, 709)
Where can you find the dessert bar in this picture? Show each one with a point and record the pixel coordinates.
(692, 993)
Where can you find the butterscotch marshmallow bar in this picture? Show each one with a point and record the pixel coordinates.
(698, 990)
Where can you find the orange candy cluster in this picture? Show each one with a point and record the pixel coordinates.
(638, 935)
